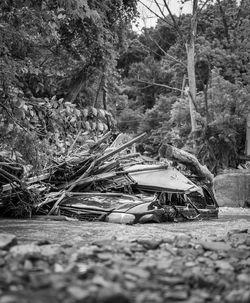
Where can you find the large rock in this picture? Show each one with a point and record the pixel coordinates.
(7, 240)
(26, 251)
(232, 188)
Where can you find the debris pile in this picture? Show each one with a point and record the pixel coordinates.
(109, 182)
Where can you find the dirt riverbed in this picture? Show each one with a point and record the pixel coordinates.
(45, 260)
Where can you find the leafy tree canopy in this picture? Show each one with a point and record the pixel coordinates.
(54, 54)
(222, 74)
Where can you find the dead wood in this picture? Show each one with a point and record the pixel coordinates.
(104, 167)
(121, 148)
(89, 170)
(190, 161)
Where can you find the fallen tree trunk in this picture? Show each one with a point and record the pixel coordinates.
(190, 161)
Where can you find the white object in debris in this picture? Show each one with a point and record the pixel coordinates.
(120, 218)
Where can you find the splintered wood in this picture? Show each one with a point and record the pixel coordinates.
(93, 169)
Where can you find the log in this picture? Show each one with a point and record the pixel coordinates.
(190, 161)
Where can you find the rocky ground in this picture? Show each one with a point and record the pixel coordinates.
(107, 263)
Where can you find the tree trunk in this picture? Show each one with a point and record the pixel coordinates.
(248, 135)
(192, 85)
(206, 103)
(190, 161)
(105, 99)
(190, 49)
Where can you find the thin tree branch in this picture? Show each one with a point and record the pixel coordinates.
(201, 8)
(14, 120)
(238, 14)
(150, 50)
(195, 5)
(160, 9)
(145, 87)
(193, 21)
(192, 98)
(176, 26)
(224, 20)
(98, 91)
(163, 19)
(157, 84)
(165, 53)
(183, 86)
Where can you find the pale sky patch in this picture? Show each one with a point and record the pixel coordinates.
(148, 19)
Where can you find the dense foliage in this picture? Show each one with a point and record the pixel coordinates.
(55, 57)
(60, 60)
(223, 84)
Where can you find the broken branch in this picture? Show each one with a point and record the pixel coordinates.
(190, 161)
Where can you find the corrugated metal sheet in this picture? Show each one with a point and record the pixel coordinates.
(161, 179)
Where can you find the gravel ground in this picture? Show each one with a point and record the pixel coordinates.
(60, 261)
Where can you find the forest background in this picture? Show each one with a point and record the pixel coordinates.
(72, 69)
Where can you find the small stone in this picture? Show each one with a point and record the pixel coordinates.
(172, 250)
(210, 263)
(176, 295)
(169, 239)
(135, 247)
(87, 251)
(7, 241)
(2, 262)
(9, 299)
(182, 241)
(239, 253)
(40, 265)
(129, 285)
(149, 243)
(107, 295)
(182, 237)
(80, 268)
(148, 296)
(224, 265)
(201, 294)
(26, 251)
(172, 281)
(237, 231)
(3, 253)
(101, 281)
(201, 259)
(14, 265)
(78, 293)
(238, 239)
(50, 250)
(28, 265)
(214, 256)
(215, 246)
(42, 242)
(102, 243)
(164, 264)
(244, 278)
(138, 272)
(104, 256)
(39, 280)
(190, 264)
(59, 282)
(247, 241)
(238, 296)
(58, 268)
(243, 246)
